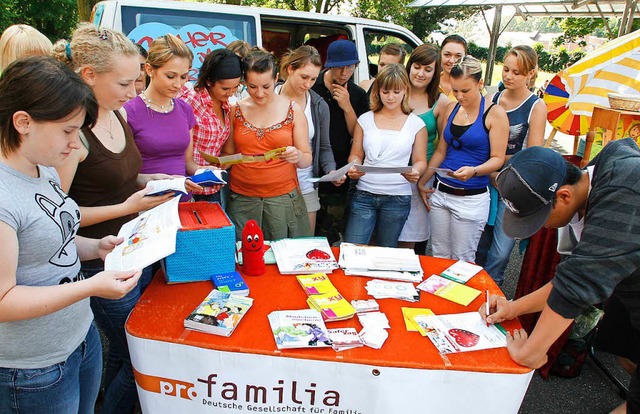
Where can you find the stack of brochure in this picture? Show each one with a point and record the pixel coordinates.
(304, 255)
(345, 338)
(325, 298)
(380, 262)
(381, 289)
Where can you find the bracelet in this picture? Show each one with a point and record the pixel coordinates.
(475, 171)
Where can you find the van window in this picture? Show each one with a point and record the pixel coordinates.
(283, 34)
(376, 39)
(202, 31)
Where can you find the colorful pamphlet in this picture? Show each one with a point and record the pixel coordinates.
(450, 290)
(230, 283)
(409, 315)
(461, 271)
(219, 313)
(332, 306)
(462, 332)
(243, 158)
(304, 255)
(316, 284)
(299, 329)
(269, 257)
(149, 237)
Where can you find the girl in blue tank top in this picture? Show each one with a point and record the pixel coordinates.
(527, 120)
(473, 145)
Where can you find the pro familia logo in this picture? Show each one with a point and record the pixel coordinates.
(166, 386)
(283, 392)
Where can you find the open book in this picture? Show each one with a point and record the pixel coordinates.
(148, 238)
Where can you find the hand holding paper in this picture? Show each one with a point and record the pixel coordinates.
(334, 176)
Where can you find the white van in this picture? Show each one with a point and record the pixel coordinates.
(206, 27)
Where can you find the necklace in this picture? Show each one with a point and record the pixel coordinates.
(161, 108)
(466, 114)
(110, 130)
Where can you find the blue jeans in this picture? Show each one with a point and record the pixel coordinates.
(495, 248)
(120, 395)
(384, 213)
(71, 386)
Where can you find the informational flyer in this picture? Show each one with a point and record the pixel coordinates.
(148, 238)
(461, 332)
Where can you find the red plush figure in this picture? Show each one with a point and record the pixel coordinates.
(252, 249)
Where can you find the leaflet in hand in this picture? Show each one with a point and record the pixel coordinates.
(374, 169)
(333, 176)
(442, 171)
(461, 332)
(242, 158)
(203, 177)
(148, 238)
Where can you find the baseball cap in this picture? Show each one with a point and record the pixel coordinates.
(528, 185)
(341, 53)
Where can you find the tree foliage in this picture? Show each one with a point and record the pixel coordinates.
(575, 28)
(421, 21)
(54, 18)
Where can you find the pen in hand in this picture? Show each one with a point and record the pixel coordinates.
(487, 308)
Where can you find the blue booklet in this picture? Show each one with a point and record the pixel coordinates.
(230, 283)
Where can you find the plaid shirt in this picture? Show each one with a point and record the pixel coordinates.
(210, 133)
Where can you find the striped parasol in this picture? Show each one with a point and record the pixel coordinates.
(573, 93)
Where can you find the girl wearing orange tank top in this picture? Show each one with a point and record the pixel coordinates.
(267, 192)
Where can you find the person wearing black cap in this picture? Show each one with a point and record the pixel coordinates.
(218, 80)
(347, 101)
(598, 210)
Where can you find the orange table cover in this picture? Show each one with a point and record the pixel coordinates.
(160, 313)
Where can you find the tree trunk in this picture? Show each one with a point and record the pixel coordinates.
(84, 9)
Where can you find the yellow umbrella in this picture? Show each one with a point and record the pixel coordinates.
(614, 67)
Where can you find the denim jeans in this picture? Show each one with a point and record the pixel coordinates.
(71, 386)
(384, 213)
(120, 395)
(457, 223)
(495, 248)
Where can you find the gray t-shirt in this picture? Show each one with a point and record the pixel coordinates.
(46, 221)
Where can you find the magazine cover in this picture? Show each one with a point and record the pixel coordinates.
(299, 329)
(219, 313)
